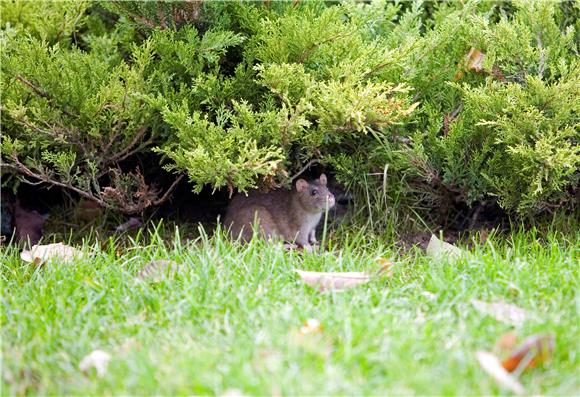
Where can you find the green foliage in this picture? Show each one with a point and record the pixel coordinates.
(243, 94)
(51, 21)
(521, 142)
(70, 115)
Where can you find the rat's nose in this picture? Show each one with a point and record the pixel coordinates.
(330, 200)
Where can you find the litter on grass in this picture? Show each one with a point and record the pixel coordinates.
(491, 364)
(340, 281)
(97, 359)
(440, 249)
(505, 312)
(41, 253)
(157, 270)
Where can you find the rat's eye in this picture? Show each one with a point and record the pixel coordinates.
(314, 192)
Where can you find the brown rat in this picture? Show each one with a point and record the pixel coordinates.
(290, 215)
(28, 224)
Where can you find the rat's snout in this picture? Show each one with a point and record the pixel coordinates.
(330, 200)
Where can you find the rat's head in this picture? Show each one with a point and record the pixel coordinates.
(314, 196)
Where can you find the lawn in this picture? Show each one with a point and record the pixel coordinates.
(229, 321)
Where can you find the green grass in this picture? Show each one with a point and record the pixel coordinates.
(230, 319)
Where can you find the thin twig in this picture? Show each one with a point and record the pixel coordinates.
(542, 64)
(42, 93)
(306, 53)
(25, 170)
(169, 191)
(123, 154)
(308, 165)
(476, 213)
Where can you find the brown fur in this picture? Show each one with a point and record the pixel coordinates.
(28, 224)
(289, 215)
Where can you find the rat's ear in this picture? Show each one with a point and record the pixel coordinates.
(301, 185)
(322, 179)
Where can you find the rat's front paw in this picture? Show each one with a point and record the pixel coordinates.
(290, 246)
(312, 237)
(307, 248)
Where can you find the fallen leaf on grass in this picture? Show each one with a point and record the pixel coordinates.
(97, 359)
(493, 367)
(339, 281)
(533, 351)
(505, 343)
(440, 249)
(386, 267)
(41, 253)
(501, 311)
(310, 338)
(157, 270)
(311, 326)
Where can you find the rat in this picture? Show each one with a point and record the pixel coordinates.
(288, 214)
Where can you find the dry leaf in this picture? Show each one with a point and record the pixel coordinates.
(340, 281)
(337, 281)
(474, 60)
(501, 311)
(311, 338)
(440, 249)
(97, 359)
(41, 253)
(506, 343)
(493, 367)
(535, 350)
(325, 281)
(311, 326)
(386, 267)
(158, 270)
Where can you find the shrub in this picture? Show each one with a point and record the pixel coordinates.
(434, 104)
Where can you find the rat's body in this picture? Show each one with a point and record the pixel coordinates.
(289, 215)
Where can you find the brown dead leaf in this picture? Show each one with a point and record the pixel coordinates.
(311, 338)
(386, 267)
(42, 253)
(325, 281)
(501, 311)
(157, 270)
(534, 350)
(506, 343)
(311, 326)
(440, 249)
(336, 281)
(474, 60)
(493, 367)
(97, 359)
